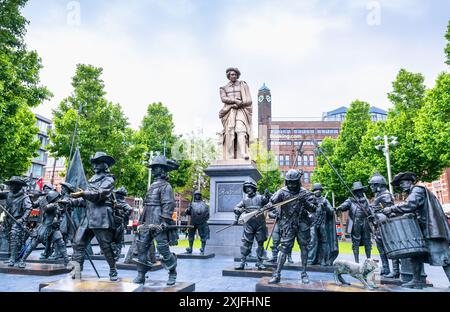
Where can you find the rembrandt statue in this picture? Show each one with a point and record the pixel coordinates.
(236, 116)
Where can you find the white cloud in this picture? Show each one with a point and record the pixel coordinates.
(277, 32)
(312, 59)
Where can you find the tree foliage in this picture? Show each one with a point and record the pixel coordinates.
(433, 128)
(343, 152)
(19, 91)
(156, 128)
(266, 164)
(194, 153)
(102, 126)
(407, 98)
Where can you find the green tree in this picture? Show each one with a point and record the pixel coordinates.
(407, 97)
(194, 154)
(156, 128)
(343, 152)
(102, 126)
(266, 164)
(131, 172)
(433, 129)
(19, 91)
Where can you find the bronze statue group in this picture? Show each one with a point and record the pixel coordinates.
(410, 233)
(105, 215)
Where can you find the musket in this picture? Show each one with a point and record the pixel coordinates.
(245, 217)
(340, 177)
(23, 228)
(271, 233)
(14, 219)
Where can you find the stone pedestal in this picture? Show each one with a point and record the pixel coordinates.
(194, 255)
(227, 179)
(248, 272)
(294, 285)
(36, 259)
(296, 266)
(42, 269)
(93, 284)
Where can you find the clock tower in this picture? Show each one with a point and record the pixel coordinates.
(264, 114)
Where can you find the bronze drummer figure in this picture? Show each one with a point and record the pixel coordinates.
(432, 222)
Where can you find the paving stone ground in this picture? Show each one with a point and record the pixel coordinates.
(206, 274)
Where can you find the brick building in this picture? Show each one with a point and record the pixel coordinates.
(291, 139)
(441, 188)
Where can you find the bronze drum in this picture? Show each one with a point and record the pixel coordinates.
(402, 237)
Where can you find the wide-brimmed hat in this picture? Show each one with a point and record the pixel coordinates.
(162, 161)
(411, 176)
(358, 186)
(121, 191)
(16, 180)
(69, 186)
(317, 186)
(103, 157)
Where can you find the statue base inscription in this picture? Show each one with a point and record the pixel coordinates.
(195, 255)
(42, 269)
(226, 183)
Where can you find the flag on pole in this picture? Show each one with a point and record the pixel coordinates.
(75, 173)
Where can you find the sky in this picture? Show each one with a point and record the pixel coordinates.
(315, 56)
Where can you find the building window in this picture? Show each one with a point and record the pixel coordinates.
(311, 160)
(42, 156)
(37, 170)
(303, 131)
(280, 131)
(327, 131)
(43, 126)
(284, 160)
(378, 117)
(280, 142)
(305, 142)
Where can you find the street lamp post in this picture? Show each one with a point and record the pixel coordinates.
(385, 148)
(150, 157)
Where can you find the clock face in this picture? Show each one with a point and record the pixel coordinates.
(261, 98)
(268, 98)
